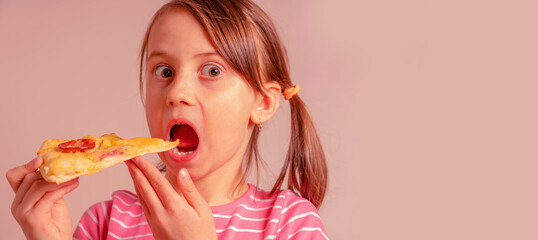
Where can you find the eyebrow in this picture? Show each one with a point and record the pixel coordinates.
(164, 54)
(206, 54)
(157, 54)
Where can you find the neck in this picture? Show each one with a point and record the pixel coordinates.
(220, 187)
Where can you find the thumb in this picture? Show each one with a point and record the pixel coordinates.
(16, 175)
(190, 193)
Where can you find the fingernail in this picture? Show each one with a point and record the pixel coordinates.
(183, 174)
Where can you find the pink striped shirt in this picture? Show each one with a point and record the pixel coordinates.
(256, 215)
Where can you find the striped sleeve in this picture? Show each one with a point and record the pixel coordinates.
(94, 222)
(300, 219)
(127, 220)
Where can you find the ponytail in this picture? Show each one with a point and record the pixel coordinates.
(305, 161)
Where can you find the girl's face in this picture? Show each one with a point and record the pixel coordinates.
(194, 95)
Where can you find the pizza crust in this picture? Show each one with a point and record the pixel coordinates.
(109, 150)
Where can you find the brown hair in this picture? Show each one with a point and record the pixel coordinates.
(244, 35)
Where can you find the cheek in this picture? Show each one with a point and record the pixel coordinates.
(153, 112)
(228, 123)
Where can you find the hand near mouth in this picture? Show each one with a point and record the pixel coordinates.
(169, 214)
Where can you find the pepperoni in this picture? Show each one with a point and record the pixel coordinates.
(78, 145)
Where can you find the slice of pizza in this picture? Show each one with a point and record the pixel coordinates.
(68, 159)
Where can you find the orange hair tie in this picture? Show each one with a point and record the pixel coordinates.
(290, 92)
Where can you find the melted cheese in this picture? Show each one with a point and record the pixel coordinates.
(109, 150)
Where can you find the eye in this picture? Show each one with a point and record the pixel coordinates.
(164, 72)
(211, 70)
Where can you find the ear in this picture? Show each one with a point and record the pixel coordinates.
(266, 105)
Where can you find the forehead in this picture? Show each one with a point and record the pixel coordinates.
(177, 32)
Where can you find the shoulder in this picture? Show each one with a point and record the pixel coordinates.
(121, 198)
(125, 198)
(94, 221)
(285, 202)
(291, 203)
(122, 202)
(113, 217)
(299, 218)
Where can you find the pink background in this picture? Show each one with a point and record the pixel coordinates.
(428, 111)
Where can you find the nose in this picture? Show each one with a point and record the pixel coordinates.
(180, 92)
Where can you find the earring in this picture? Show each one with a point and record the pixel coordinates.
(260, 125)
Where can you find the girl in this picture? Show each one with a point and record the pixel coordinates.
(214, 72)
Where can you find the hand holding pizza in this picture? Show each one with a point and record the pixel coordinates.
(170, 215)
(39, 207)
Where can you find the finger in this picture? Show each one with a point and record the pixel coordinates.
(191, 194)
(16, 175)
(50, 198)
(36, 192)
(144, 190)
(165, 192)
(22, 190)
(143, 204)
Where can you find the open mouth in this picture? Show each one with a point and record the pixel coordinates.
(188, 139)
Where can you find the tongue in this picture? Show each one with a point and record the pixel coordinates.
(186, 135)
